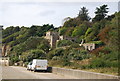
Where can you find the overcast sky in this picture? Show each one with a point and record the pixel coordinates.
(35, 12)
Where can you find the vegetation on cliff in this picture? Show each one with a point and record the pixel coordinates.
(28, 43)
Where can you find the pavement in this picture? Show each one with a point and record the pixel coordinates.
(15, 72)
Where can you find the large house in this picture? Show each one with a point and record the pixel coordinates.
(54, 37)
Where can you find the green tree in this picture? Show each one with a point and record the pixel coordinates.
(62, 30)
(55, 54)
(83, 14)
(64, 43)
(80, 30)
(44, 45)
(72, 22)
(9, 31)
(33, 54)
(77, 32)
(101, 13)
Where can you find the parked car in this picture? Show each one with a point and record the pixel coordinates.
(29, 66)
(38, 64)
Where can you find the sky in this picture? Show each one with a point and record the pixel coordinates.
(38, 12)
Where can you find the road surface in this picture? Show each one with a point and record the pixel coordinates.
(15, 72)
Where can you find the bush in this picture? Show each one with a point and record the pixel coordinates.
(14, 59)
(63, 30)
(33, 54)
(64, 43)
(98, 63)
(50, 55)
(25, 64)
(89, 30)
(56, 58)
(65, 62)
(86, 66)
(75, 45)
(56, 53)
(98, 43)
(77, 54)
(102, 63)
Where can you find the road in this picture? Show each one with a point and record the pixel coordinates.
(15, 72)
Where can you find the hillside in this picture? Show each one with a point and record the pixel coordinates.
(27, 43)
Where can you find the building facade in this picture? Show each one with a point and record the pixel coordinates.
(53, 38)
(88, 46)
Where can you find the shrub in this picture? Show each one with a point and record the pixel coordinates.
(89, 30)
(97, 51)
(65, 62)
(56, 58)
(33, 54)
(14, 59)
(64, 43)
(75, 45)
(50, 55)
(79, 30)
(98, 63)
(63, 30)
(98, 43)
(55, 53)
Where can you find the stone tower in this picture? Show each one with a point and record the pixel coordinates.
(52, 38)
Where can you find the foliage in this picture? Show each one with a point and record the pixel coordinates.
(44, 45)
(105, 60)
(16, 35)
(62, 43)
(62, 30)
(69, 31)
(27, 43)
(100, 13)
(40, 30)
(9, 30)
(89, 30)
(97, 43)
(31, 43)
(10, 38)
(75, 45)
(14, 59)
(77, 31)
(33, 54)
(104, 34)
(97, 63)
(73, 22)
(80, 30)
(83, 14)
(114, 33)
(55, 54)
(76, 54)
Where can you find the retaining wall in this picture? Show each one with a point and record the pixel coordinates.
(79, 74)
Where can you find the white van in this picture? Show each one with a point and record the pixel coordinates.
(38, 64)
(29, 66)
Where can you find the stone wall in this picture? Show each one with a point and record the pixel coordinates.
(88, 46)
(79, 74)
(4, 61)
(52, 37)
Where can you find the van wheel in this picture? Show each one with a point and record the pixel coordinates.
(34, 70)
